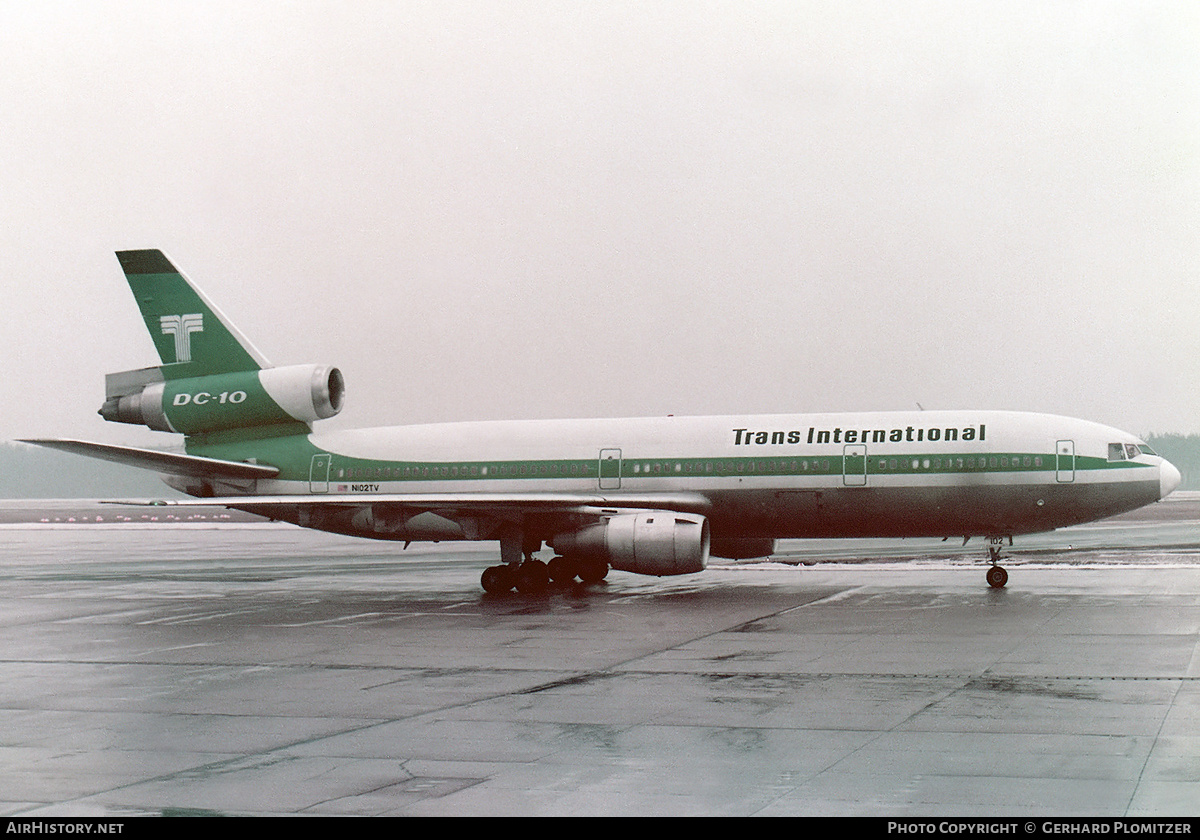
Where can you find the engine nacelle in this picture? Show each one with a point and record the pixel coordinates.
(656, 542)
(224, 401)
(742, 548)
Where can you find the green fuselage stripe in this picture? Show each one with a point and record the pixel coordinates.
(293, 454)
(355, 469)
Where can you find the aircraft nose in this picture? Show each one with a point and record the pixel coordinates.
(1168, 478)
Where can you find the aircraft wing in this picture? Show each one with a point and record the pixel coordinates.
(171, 463)
(504, 504)
(464, 502)
(437, 516)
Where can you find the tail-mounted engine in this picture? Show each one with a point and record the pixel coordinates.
(656, 542)
(223, 401)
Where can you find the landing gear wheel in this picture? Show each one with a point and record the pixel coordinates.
(592, 571)
(997, 577)
(562, 570)
(532, 577)
(497, 579)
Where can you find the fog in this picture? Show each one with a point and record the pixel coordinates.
(527, 210)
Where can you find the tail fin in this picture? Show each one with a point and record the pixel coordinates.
(192, 336)
(212, 379)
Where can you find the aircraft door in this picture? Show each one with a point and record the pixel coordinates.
(854, 465)
(1065, 461)
(318, 474)
(610, 469)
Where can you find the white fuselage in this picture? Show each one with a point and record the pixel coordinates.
(931, 473)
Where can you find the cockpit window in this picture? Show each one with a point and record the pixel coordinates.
(1116, 452)
(1146, 450)
(1131, 451)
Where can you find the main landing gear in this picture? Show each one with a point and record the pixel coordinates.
(997, 575)
(531, 577)
(519, 570)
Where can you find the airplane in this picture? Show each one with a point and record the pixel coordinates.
(653, 495)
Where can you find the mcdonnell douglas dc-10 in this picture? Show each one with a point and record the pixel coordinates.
(655, 496)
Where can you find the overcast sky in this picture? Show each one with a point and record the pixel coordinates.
(525, 210)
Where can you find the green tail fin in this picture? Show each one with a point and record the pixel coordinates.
(192, 336)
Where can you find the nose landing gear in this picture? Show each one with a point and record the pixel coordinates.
(997, 575)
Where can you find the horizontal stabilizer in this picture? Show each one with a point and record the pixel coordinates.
(170, 463)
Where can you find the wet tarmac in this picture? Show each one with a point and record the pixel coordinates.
(260, 669)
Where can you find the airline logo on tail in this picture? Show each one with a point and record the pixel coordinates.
(182, 327)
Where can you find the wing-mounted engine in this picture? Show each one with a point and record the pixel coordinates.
(656, 542)
(201, 404)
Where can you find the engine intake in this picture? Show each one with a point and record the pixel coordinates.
(656, 542)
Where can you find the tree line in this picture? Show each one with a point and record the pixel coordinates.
(1184, 452)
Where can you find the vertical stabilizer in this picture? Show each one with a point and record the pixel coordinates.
(192, 336)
